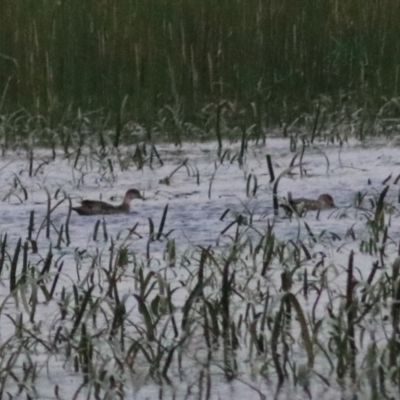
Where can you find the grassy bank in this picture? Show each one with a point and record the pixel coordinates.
(273, 59)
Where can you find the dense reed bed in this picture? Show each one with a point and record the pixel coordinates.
(166, 61)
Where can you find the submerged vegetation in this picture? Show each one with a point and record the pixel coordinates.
(123, 308)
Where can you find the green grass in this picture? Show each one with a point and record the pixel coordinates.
(273, 60)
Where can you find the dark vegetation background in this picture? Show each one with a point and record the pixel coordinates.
(274, 58)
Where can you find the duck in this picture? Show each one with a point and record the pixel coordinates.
(301, 205)
(324, 201)
(93, 207)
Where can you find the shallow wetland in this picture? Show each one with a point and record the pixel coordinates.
(201, 291)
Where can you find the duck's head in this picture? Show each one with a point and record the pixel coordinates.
(326, 200)
(132, 194)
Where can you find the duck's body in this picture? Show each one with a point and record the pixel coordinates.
(92, 207)
(323, 202)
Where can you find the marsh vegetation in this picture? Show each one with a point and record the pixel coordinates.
(202, 290)
(207, 289)
(183, 66)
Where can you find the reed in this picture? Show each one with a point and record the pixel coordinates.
(134, 60)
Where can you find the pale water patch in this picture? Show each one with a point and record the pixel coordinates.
(198, 195)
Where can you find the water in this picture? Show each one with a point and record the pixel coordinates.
(197, 196)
